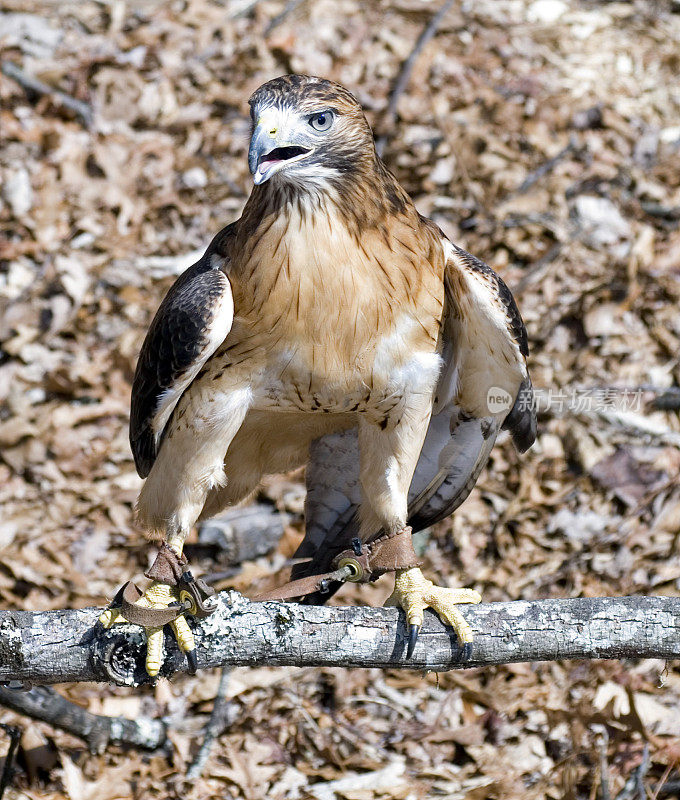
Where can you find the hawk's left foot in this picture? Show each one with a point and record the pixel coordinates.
(414, 593)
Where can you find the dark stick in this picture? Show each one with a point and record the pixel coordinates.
(670, 213)
(44, 704)
(668, 400)
(669, 789)
(32, 85)
(8, 770)
(405, 73)
(60, 646)
(219, 719)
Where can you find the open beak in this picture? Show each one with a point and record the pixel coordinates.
(268, 153)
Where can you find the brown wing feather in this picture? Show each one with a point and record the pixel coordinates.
(188, 326)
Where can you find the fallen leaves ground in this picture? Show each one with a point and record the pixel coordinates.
(542, 135)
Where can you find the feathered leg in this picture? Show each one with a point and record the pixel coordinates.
(189, 465)
(388, 460)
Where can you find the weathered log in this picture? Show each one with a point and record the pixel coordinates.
(242, 534)
(59, 646)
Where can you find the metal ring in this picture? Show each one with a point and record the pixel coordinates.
(188, 602)
(355, 567)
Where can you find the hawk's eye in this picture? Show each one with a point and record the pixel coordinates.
(321, 121)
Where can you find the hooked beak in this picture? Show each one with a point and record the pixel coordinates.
(268, 153)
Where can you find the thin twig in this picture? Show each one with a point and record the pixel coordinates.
(641, 772)
(638, 426)
(663, 781)
(219, 720)
(537, 269)
(405, 73)
(546, 167)
(60, 646)
(274, 22)
(32, 85)
(626, 421)
(634, 788)
(604, 765)
(8, 769)
(44, 704)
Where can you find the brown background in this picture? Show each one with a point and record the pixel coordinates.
(96, 222)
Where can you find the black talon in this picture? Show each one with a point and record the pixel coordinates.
(413, 632)
(465, 653)
(192, 661)
(117, 601)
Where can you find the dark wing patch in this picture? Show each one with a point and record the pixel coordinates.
(521, 421)
(177, 344)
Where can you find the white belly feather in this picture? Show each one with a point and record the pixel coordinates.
(382, 379)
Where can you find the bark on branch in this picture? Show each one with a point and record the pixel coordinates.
(59, 646)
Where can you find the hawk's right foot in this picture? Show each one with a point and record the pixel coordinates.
(158, 596)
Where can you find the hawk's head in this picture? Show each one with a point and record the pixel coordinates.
(307, 130)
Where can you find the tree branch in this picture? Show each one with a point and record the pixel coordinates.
(98, 731)
(37, 87)
(59, 646)
(219, 721)
(404, 76)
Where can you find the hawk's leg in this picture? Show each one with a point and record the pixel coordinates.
(414, 593)
(388, 459)
(189, 465)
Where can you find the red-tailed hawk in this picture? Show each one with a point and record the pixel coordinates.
(331, 325)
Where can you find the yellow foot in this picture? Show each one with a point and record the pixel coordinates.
(414, 593)
(158, 596)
